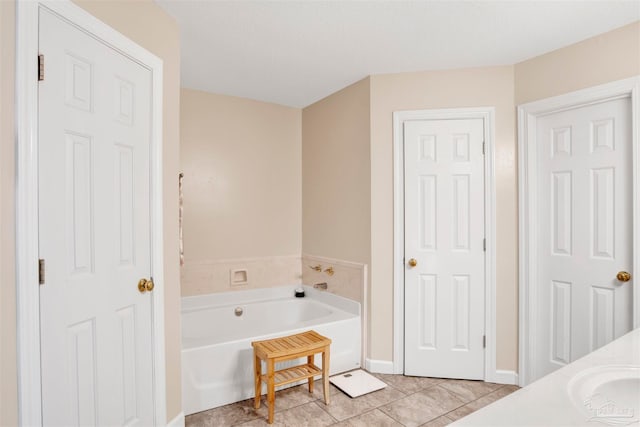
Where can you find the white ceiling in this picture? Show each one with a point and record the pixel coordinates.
(297, 52)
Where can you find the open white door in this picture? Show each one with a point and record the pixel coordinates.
(444, 248)
(94, 231)
(585, 232)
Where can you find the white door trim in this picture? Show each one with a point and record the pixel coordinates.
(28, 302)
(528, 203)
(399, 117)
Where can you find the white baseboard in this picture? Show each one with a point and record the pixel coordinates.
(178, 421)
(505, 377)
(386, 367)
(378, 366)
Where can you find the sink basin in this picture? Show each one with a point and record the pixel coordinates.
(609, 394)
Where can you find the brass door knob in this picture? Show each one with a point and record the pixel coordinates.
(412, 262)
(623, 276)
(145, 285)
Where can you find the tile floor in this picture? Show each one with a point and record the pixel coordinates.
(406, 401)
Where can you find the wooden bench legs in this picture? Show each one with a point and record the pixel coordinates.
(270, 380)
(325, 375)
(257, 370)
(306, 344)
(271, 389)
(310, 362)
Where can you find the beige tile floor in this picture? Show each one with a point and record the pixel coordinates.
(406, 401)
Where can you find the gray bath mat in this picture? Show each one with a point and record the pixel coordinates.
(356, 383)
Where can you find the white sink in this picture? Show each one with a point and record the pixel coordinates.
(609, 393)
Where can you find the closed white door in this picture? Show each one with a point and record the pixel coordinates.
(585, 231)
(444, 235)
(94, 142)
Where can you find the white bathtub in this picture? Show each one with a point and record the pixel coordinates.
(217, 357)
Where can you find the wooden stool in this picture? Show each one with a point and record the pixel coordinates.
(287, 348)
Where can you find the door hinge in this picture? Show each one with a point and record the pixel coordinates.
(41, 271)
(484, 244)
(40, 67)
(482, 147)
(484, 341)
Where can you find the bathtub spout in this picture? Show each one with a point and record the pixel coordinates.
(322, 286)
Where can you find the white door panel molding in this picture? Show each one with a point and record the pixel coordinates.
(444, 243)
(84, 253)
(459, 152)
(578, 223)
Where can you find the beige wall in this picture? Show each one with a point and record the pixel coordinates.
(434, 90)
(159, 34)
(608, 57)
(336, 192)
(8, 386)
(335, 176)
(241, 191)
(241, 164)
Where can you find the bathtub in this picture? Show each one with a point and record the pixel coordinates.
(217, 357)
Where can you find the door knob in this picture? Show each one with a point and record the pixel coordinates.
(623, 276)
(412, 262)
(145, 285)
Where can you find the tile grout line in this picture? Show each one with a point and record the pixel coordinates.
(459, 395)
(443, 388)
(407, 394)
(471, 401)
(335, 420)
(402, 395)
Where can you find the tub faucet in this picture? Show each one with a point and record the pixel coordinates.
(322, 286)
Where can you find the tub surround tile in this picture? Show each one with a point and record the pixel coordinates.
(348, 279)
(210, 276)
(372, 418)
(467, 390)
(423, 406)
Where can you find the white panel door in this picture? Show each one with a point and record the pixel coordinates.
(444, 234)
(585, 231)
(94, 142)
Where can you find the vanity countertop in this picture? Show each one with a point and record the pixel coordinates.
(547, 402)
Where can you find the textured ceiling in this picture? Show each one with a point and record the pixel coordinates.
(297, 52)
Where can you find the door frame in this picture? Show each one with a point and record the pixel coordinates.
(528, 203)
(27, 287)
(487, 114)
